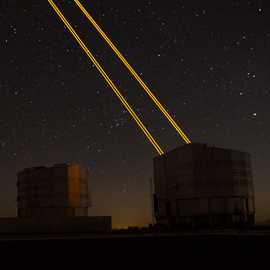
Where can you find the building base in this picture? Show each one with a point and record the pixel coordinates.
(56, 225)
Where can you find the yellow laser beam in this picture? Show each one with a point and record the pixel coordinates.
(107, 79)
(134, 73)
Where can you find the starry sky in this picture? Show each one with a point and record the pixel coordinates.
(208, 63)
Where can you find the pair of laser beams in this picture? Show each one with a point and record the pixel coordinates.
(110, 82)
(133, 72)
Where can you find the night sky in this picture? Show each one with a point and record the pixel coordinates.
(208, 64)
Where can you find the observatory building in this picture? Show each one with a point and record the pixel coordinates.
(201, 186)
(54, 201)
(59, 191)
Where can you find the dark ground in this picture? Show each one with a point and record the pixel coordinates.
(194, 249)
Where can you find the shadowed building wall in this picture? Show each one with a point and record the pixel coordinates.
(59, 191)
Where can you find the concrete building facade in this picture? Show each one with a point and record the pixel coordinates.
(197, 185)
(59, 191)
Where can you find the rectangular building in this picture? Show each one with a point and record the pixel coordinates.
(59, 191)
